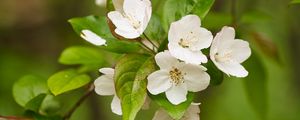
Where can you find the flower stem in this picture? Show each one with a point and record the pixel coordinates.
(79, 102)
(150, 40)
(146, 47)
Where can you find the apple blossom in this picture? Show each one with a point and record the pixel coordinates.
(92, 37)
(176, 78)
(228, 53)
(192, 113)
(104, 85)
(187, 39)
(133, 19)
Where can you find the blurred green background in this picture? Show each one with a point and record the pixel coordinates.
(34, 32)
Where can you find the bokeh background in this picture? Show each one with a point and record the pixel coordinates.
(33, 33)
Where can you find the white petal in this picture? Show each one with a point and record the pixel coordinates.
(92, 37)
(123, 25)
(137, 9)
(196, 78)
(130, 34)
(116, 105)
(186, 55)
(232, 68)
(182, 27)
(240, 50)
(161, 115)
(109, 71)
(204, 39)
(164, 60)
(118, 4)
(227, 33)
(104, 85)
(158, 82)
(177, 94)
(220, 40)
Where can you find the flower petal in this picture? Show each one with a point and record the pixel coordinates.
(182, 27)
(186, 55)
(116, 106)
(92, 37)
(137, 9)
(204, 39)
(240, 50)
(177, 94)
(164, 60)
(161, 115)
(232, 68)
(196, 78)
(104, 85)
(158, 82)
(123, 25)
(107, 71)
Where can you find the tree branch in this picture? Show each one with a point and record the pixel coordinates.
(80, 101)
(14, 118)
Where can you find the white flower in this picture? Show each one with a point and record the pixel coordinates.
(176, 78)
(228, 53)
(104, 85)
(187, 38)
(133, 19)
(101, 2)
(92, 37)
(192, 113)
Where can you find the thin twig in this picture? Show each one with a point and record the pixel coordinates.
(79, 102)
(146, 47)
(150, 40)
(14, 118)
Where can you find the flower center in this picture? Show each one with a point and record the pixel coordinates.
(224, 57)
(187, 41)
(176, 76)
(135, 23)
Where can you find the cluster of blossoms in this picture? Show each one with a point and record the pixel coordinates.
(181, 70)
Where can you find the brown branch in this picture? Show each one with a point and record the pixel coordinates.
(14, 118)
(79, 102)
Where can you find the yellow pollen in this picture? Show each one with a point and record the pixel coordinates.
(176, 76)
(183, 43)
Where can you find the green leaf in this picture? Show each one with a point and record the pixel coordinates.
(35, 103)
(82, 55)
(67, 80)
(130, 79)
(295, 2)
(100, 26)
(154, 29)
(175, 111)
(175, 9)
(27, 91)
(96, 24)
(50, 105)
(216, 76)
(256, 85)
